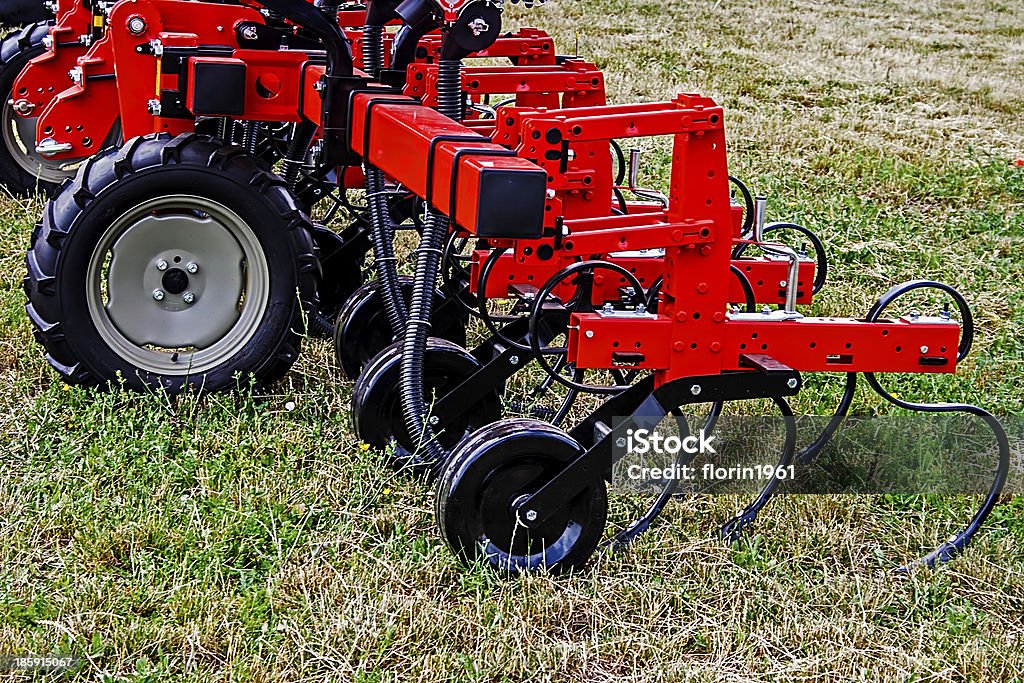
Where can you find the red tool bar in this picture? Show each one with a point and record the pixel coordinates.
(526, 46)
(484, 187)
(687, 113)
(804, 344)
(765, 276)
(533, 86)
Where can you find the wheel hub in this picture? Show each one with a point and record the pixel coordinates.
(175, 281)
(178, 283)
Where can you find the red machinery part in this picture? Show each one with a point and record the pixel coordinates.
(37, 83)
(765, 276)
(581, 84)
(483, 187)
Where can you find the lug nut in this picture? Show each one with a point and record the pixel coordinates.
(158, 294)
(193, 268)
(188, 297)
(161, 265)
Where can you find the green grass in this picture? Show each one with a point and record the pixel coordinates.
(229, 538)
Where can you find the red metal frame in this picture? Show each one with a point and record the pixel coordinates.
(692, 333)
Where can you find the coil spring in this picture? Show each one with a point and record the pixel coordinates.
(373, 48)
(449, 88)
(251, 138)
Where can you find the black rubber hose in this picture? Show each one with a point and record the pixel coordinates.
(429, 454)
(382, 234)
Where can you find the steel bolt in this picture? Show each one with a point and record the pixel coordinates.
(782, 283)
(924, 349)
(590, 334)
(695, 390)
(136, 25)
(192, 268)
(158, 294)
(434, 419)
(161, 265)
(607, 308)
(188, 297)
(531, 515)
(514, 360)
(620, 442)
(792, 383)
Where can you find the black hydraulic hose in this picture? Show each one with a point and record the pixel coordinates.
(429, 454)
(339, 52)
(382, 234)
(407, 39)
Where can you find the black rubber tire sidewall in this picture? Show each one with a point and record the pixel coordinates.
(283, 305)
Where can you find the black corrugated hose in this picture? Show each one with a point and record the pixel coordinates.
(429, 454)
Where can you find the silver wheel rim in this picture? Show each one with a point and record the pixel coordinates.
(20, 140)
(145, 315)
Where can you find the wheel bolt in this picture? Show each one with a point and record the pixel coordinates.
(161, 265)
(158, 294)
(188, 297)
(192, 268)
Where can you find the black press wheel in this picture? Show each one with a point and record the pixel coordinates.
(484, 477)
(363, 330)
(171, 263)
(376, 399)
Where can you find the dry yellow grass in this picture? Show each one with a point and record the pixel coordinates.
(231, 539)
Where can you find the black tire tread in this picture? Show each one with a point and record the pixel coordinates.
(109, 167)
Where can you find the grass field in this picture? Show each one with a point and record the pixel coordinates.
(229, 538)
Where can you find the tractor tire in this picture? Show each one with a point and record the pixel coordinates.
(21, 12)
(22, 171)
(172, 263)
